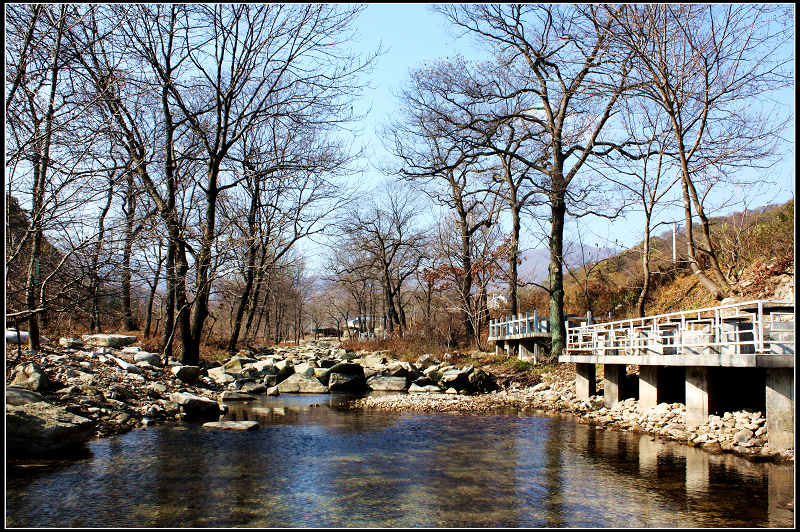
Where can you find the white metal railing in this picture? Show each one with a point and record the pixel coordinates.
(752, 327)
(526, 323)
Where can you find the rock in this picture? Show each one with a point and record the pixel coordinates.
(236, 396)
(339, 382)
(196, 406)
(743, 436)
(302, 384)
(388, 384)
(127, 366)
(373, 360)
(540, 387)
(150, 358)
(270, 380)
(17, 396)
(38, 428)
(109, 340)
(401, 369)
(131, 350)
(305, 369)
(424, 389)
(156, 388)
(219, 376)
(70, 342)
(424, 381)
(261, 368)
(231, 425)
(30, 376)
(237, 363)
(273, 391)
(285, 370)
(451, 391)
(456, 378)
(13, 338)
(426, 360)
(253, 388)
(188, 374)
(481, 381)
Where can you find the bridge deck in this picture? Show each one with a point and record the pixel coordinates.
(749, 334)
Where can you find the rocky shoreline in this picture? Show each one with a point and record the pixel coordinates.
(743, 433)
(64, 396)
(102, 385)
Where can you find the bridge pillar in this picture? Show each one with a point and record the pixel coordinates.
(648, 386)
(697, 388)
(780, 408)
(498, 347)
(613, 383)
(585, 380)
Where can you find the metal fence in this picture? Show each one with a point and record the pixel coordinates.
(526, 323)
(752, 327)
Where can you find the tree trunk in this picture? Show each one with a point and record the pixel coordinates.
(95, 321)
(128, 321)
(250, 269)
(513, 280)
(150, 298)
(645, 268)
(558, 331)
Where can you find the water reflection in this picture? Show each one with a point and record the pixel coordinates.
(313, 464)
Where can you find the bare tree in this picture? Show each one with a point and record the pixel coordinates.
(558, 57)
(705, 67)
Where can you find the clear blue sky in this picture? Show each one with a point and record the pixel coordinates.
(412, 34)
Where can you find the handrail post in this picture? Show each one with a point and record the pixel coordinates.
(760, 327)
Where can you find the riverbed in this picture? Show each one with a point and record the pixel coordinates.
(314, 463)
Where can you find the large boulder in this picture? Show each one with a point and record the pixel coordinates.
(260, 369)
(196, 406)
(39, 428)
(482, 381)
(219, 376)
(230, 395)
(301, 384)
(237, 363)
(13, 337)
(149, 358)
(349, 377)
(285, 370)
(339, 382)
(188, 374)
(70, 342)
(109, 340)
(30, 376)
(456, 378)
(424, 389)
(305, 369)
(388, 384)
(17, 396)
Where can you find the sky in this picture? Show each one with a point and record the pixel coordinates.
(412, 34)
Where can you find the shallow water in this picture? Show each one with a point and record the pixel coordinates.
(322, 466)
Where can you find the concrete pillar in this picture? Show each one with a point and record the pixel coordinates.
(498, 348)
(613, 383)
(585, 380)
(780, 408)
(524, 352)
(697, 388)
(648, 386)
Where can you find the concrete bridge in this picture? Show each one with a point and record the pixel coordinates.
(713, 359)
